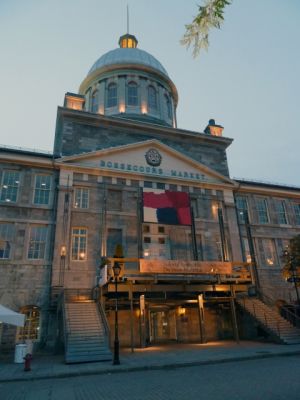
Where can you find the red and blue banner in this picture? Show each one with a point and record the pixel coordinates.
(166, 207)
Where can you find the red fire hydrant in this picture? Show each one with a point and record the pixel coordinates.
(27, 358)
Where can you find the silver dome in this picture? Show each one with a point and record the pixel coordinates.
(128, 56)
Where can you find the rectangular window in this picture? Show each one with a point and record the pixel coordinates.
(81, 198)
(297, 213)
(6, 236)
(42, 189)
(147, 239)
(37, 242)
(114, 239)
(246, 250)
(262, 209)
(281, 213)
(242, 208)
(79, 244)
(10, 186)
(146, 228)
(269, 252)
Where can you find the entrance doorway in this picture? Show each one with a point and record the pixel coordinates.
(162, 325)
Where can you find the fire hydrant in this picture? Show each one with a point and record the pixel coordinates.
(27, 358)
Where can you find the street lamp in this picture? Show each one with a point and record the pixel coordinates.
(116, 270)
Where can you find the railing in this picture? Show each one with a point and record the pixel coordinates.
(285, 313)
(105, 323)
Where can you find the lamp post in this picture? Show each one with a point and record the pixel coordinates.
(116, 270)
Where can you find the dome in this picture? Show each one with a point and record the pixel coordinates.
(128, 56)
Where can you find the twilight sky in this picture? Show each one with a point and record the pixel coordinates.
(248, 81)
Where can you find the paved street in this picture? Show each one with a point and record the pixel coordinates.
(265, 379)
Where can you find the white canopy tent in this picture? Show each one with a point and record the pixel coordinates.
(11, 317)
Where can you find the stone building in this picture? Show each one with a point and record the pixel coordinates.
(123, 176)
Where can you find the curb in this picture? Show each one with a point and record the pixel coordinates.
(121, 369)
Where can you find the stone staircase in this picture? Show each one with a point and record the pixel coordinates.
(270, 320)
(86, 339)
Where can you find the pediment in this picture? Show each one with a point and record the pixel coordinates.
(148, 158)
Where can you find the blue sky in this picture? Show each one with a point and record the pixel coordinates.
(248, 80)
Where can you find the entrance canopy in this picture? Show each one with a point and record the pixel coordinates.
(8, 316)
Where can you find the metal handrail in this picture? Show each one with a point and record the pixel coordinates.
(293, 318)
(105, 322)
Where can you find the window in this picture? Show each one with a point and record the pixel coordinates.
(262, 209)
(242, 208)
(112, 95)
(37, 242)
(114, 239)
(79, 244)
(160, 185)
(161, 240)
(10, 186)
(32, 324)
(161, 229)
(148, 184)
(297, 213)
(146, 228)
(6, 235)
(42, 189)
(281, 213)
(147, 239)
(132, 94)
(81, 198)
(246, 250)
(269, 252)
(152, 100)
(94, 106)
(168, 106)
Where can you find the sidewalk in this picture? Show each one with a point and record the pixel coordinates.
(47, 366)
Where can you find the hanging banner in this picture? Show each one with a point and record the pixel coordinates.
(185, 267)
(166, 207)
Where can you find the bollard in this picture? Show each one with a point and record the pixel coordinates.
(27, 363)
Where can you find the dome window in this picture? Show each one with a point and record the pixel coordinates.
(128, 41)
(112, 95)
(152, 98)
(132, 94)
(168, 106)
(94, 106)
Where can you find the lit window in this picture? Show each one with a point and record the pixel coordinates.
(81, 198)
(79, 244)
(31, 328)
(6, 236)
(269, 252)
(37, 242)
(10, 186)
(152, 99)
(297, 213)
(42, 189)
(281, 213)
(168, 106)
(132, 94)
(94, 106)
(262, 209)
(112, 95)
(242, 208)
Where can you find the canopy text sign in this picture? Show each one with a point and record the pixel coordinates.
(185, 267)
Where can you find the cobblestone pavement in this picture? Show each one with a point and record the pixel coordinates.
(266, 379)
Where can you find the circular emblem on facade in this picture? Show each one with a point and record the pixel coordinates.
(153, 157)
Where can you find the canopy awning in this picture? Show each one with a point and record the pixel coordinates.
(11, 317)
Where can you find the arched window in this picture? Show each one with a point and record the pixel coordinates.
(32, 324)
(168, 106)
(152, 100)
(94, 107)
(132, 94)
(112, 95)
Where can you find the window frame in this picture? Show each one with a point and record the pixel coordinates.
(281, 212)
(81, 202)
(152, 97)
(112, 95)
(242, 200)
(131, 96)
(41, 190)
(262, 211)
(37, 243)
(8, 187)
(5, 253)
(168, 106)
(296, 207)
(76, 255)
(95, 101)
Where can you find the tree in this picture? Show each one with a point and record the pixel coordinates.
(291, 259)
(209, 16)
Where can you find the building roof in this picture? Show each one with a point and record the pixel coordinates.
(121, 56)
